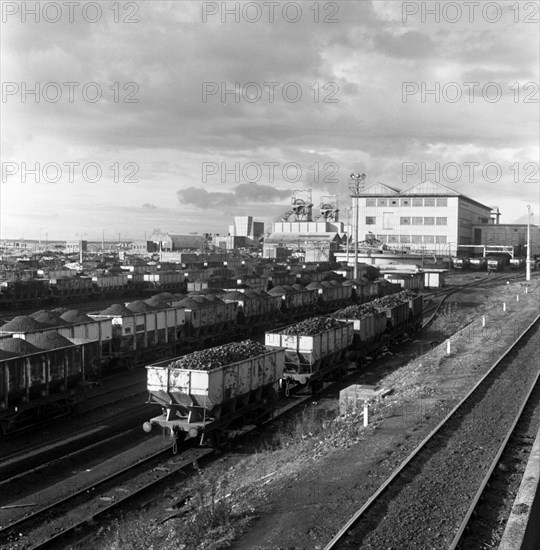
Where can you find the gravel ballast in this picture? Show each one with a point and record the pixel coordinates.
(425, 507)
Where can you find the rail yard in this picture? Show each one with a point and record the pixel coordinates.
(231, 375)
(269, 275)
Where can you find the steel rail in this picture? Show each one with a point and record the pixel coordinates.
(451, 291)
(60, 458)
(66, 439)
(79, 492)
(338, 538)
(200, 453)
(461, 531)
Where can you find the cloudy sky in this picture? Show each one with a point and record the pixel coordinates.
(179, 115)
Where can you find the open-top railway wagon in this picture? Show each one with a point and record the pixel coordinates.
(42, 380)
(166, 325)
(205, 392)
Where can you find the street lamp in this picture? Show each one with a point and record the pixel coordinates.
(528, 261)
(356, 183)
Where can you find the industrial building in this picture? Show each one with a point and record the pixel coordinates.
(169, 243)
(427, 216)
(245, 226)
(315, 239)
(243, 233)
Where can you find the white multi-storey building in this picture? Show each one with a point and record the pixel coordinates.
(245, 226)
(427, 216)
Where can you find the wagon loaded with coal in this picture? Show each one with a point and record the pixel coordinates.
(314, 349)
(206, 392)
(380, 323)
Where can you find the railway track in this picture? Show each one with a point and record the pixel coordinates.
(22, 462)
(72, 513)
(68, 526)
(96, 400)
(482, 526)
(429, 499)
(44, 527)
(447, 292)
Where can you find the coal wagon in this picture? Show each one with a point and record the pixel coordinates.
(205, 393)
(314, 349)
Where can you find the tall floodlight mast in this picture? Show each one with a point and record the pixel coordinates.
(356, 184)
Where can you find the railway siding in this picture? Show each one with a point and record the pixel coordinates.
(440, 362)
(81, 479)
(436, 489)
(425, 390)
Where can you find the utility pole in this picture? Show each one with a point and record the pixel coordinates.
(528, 261)
(356, 183)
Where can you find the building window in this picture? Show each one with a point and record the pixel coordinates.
(394, 202)
(388, 220)
(429, 202)
(483, 220)
(381, 238)
(417, 239)
(442, 202)
(371, 202)
(405, 202)
(417, 221)
(371, 220)
(405, 221)
(382, 202)
(440, 239)
(392, 239)
(418, 202)
(429, 239)
(441, 221)
(429, 221)
(405, 239)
